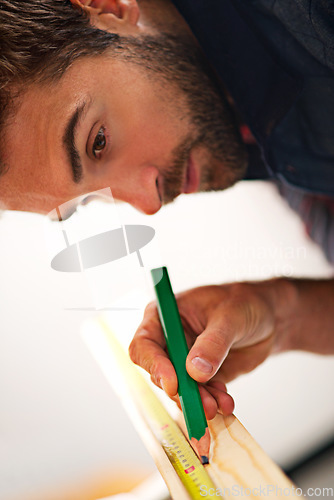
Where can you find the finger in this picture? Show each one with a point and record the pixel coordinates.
(212, 345)
(217, 383)
(225, 402)
(174, 397)
(176, 400)
(147, 350)
(209, 403)
(156, 362)
(207, 354)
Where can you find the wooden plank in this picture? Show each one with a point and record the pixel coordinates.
(237, 461)
(238, 466)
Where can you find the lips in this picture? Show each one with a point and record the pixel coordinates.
(191, 183)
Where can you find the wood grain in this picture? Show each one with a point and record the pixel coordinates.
(239, 464)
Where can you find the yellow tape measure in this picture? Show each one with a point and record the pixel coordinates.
(178, 450)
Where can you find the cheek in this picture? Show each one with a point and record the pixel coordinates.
(144, 146)
(150, 141)
(147, 125)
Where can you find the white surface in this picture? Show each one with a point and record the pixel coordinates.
(154, 488)
(60, 421)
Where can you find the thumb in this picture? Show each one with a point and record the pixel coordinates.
(208, 353)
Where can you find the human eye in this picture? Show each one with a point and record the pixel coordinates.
(100, 143)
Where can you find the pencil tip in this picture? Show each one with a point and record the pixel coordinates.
(204, 460)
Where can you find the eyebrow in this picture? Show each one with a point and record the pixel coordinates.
(69, 143)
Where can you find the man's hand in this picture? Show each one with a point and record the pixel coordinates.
(231, 329)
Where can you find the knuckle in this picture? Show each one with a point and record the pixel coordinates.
(242, 295)
(155, 380)
(218, 340)
(133, 351)
(239, 289)
(152, 366)
(150, 308)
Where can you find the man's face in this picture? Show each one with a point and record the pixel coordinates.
(148, 122)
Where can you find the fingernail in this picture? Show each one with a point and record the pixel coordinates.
(202, 365)
(162, 384)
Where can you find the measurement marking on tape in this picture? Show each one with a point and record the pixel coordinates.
(190, 469)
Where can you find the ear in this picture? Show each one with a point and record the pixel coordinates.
(111, 15)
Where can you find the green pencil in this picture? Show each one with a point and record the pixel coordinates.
(189, 395)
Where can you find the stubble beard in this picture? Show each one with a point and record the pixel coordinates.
(213, 134)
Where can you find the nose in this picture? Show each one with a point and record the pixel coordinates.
(143, 194)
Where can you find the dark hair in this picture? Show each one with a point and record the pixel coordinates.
(39, 40)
